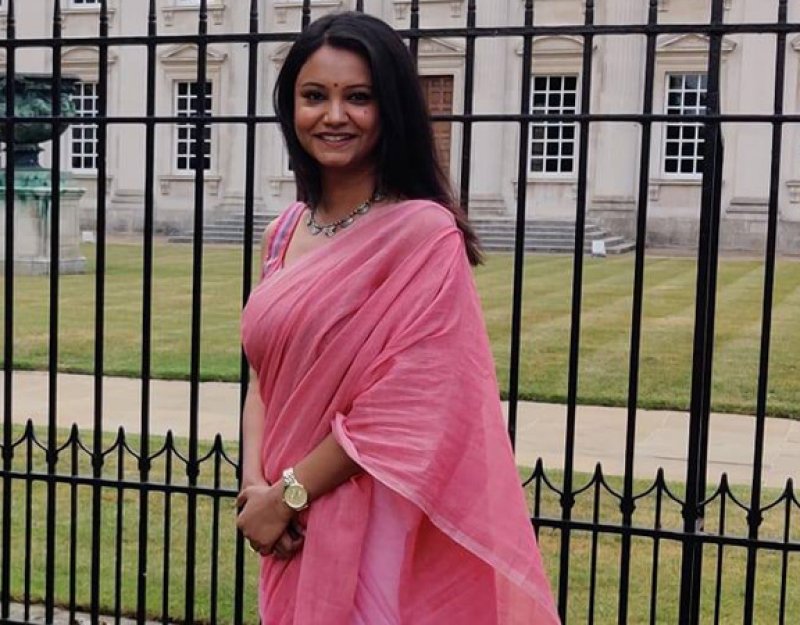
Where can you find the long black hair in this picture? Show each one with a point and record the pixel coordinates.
(406, 156)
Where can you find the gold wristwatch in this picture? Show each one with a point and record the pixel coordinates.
(295, 494)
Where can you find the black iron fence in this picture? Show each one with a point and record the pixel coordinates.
(143, 526)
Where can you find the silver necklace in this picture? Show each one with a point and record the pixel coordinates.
(340, 224)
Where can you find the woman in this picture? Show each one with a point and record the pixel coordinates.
(378, 481)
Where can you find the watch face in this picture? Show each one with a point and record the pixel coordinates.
(295, 496)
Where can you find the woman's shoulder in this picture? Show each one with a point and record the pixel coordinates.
(426, 216)
(276, 223)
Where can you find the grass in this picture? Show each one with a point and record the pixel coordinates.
(214, 544)
(666, 347)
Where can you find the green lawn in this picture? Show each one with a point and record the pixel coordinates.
(120, 531)
(606, 314)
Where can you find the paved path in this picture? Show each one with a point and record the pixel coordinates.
(661, 437)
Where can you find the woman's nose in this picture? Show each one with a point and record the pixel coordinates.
(335, 113)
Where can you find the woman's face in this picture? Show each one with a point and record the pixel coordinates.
(335, 112)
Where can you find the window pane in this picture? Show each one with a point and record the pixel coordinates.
(191, 101)
(685, 96)
(553, 95)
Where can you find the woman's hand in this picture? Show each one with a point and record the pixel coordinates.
(265, 520)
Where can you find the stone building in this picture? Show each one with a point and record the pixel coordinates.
(617, 85)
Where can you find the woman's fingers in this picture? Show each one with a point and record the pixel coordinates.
(286, 546)
(241, 498)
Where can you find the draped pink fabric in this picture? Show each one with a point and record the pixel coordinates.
(378, 336)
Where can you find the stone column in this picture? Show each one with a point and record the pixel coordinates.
(748, 86)
(615, 147)
(490, 84)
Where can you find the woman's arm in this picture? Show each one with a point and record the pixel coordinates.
(325, 468)
(252, 434)
(266, 517)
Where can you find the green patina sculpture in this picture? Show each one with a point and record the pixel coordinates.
(33, 192)
(32, 99)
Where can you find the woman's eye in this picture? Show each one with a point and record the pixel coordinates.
(313, 95)
(361, 96)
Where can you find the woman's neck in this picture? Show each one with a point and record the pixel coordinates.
(341, 193)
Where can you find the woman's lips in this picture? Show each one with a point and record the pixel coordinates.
(335, 140)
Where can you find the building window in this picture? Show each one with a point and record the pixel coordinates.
(553, 143)
(188, 104)
(684, 142)
(85, 3)
(83, 137)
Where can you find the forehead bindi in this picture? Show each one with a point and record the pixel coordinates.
(335, 69)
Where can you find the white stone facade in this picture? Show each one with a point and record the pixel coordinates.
(617, 86)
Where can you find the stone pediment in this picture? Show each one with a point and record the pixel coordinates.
(439, 47)
(557, 46)
(186, 54)
(85, 57)
(431, 47)
(690, 44)
(279, 54)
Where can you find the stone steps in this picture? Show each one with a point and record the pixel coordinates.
(496, 234)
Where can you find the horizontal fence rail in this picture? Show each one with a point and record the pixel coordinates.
(132, 524)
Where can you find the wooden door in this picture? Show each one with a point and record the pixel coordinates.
(439, 96)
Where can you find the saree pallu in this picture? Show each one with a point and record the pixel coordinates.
(378, 337)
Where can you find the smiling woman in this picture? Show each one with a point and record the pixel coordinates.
(378, 481)
(336, 116)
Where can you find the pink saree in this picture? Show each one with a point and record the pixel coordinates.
(378, 337)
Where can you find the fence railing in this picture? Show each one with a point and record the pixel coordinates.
(137, 525)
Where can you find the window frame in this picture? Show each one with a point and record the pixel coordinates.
(95, 97)
(177, 140)
(574, 141)
(667, 126)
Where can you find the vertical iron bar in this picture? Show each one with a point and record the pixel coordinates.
(537, 494)
(247, 273)
(469, 92)
(147, 309)
(360, 6)
(73, 519)
(702, 353)
(598, 477)
(99, 340)
(627, 504)
(720, 549)
(754, 517)
(413, 41)
(214, 578)
(118, 542)
(169, 447)
(519, 237)
(200, 126)
(8, 302)
(305, 18)
(787, 536)
(656, 547)
(52, 380)
(577, 291)
(29, 434)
